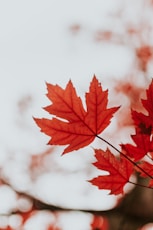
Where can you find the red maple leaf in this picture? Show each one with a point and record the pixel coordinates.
(148, 103)
(143, 145)
(75, 126)
(141, 118)
(119, 171)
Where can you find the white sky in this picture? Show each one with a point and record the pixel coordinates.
(37, 45)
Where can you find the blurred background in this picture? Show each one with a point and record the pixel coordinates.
(54, 41)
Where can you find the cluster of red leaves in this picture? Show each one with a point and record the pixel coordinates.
(77, 127)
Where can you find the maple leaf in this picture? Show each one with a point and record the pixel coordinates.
(141, 118)
(143, 145)
(119, 171)
(75, 126)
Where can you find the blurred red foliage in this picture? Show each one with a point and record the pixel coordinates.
(99, 223)
(144, 55)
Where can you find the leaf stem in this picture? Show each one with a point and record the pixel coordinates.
(141, 185)
(128, 158)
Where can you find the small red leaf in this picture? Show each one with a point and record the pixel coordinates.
(148, 103)
(143, 145)
(119, 172)
(141, 118)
